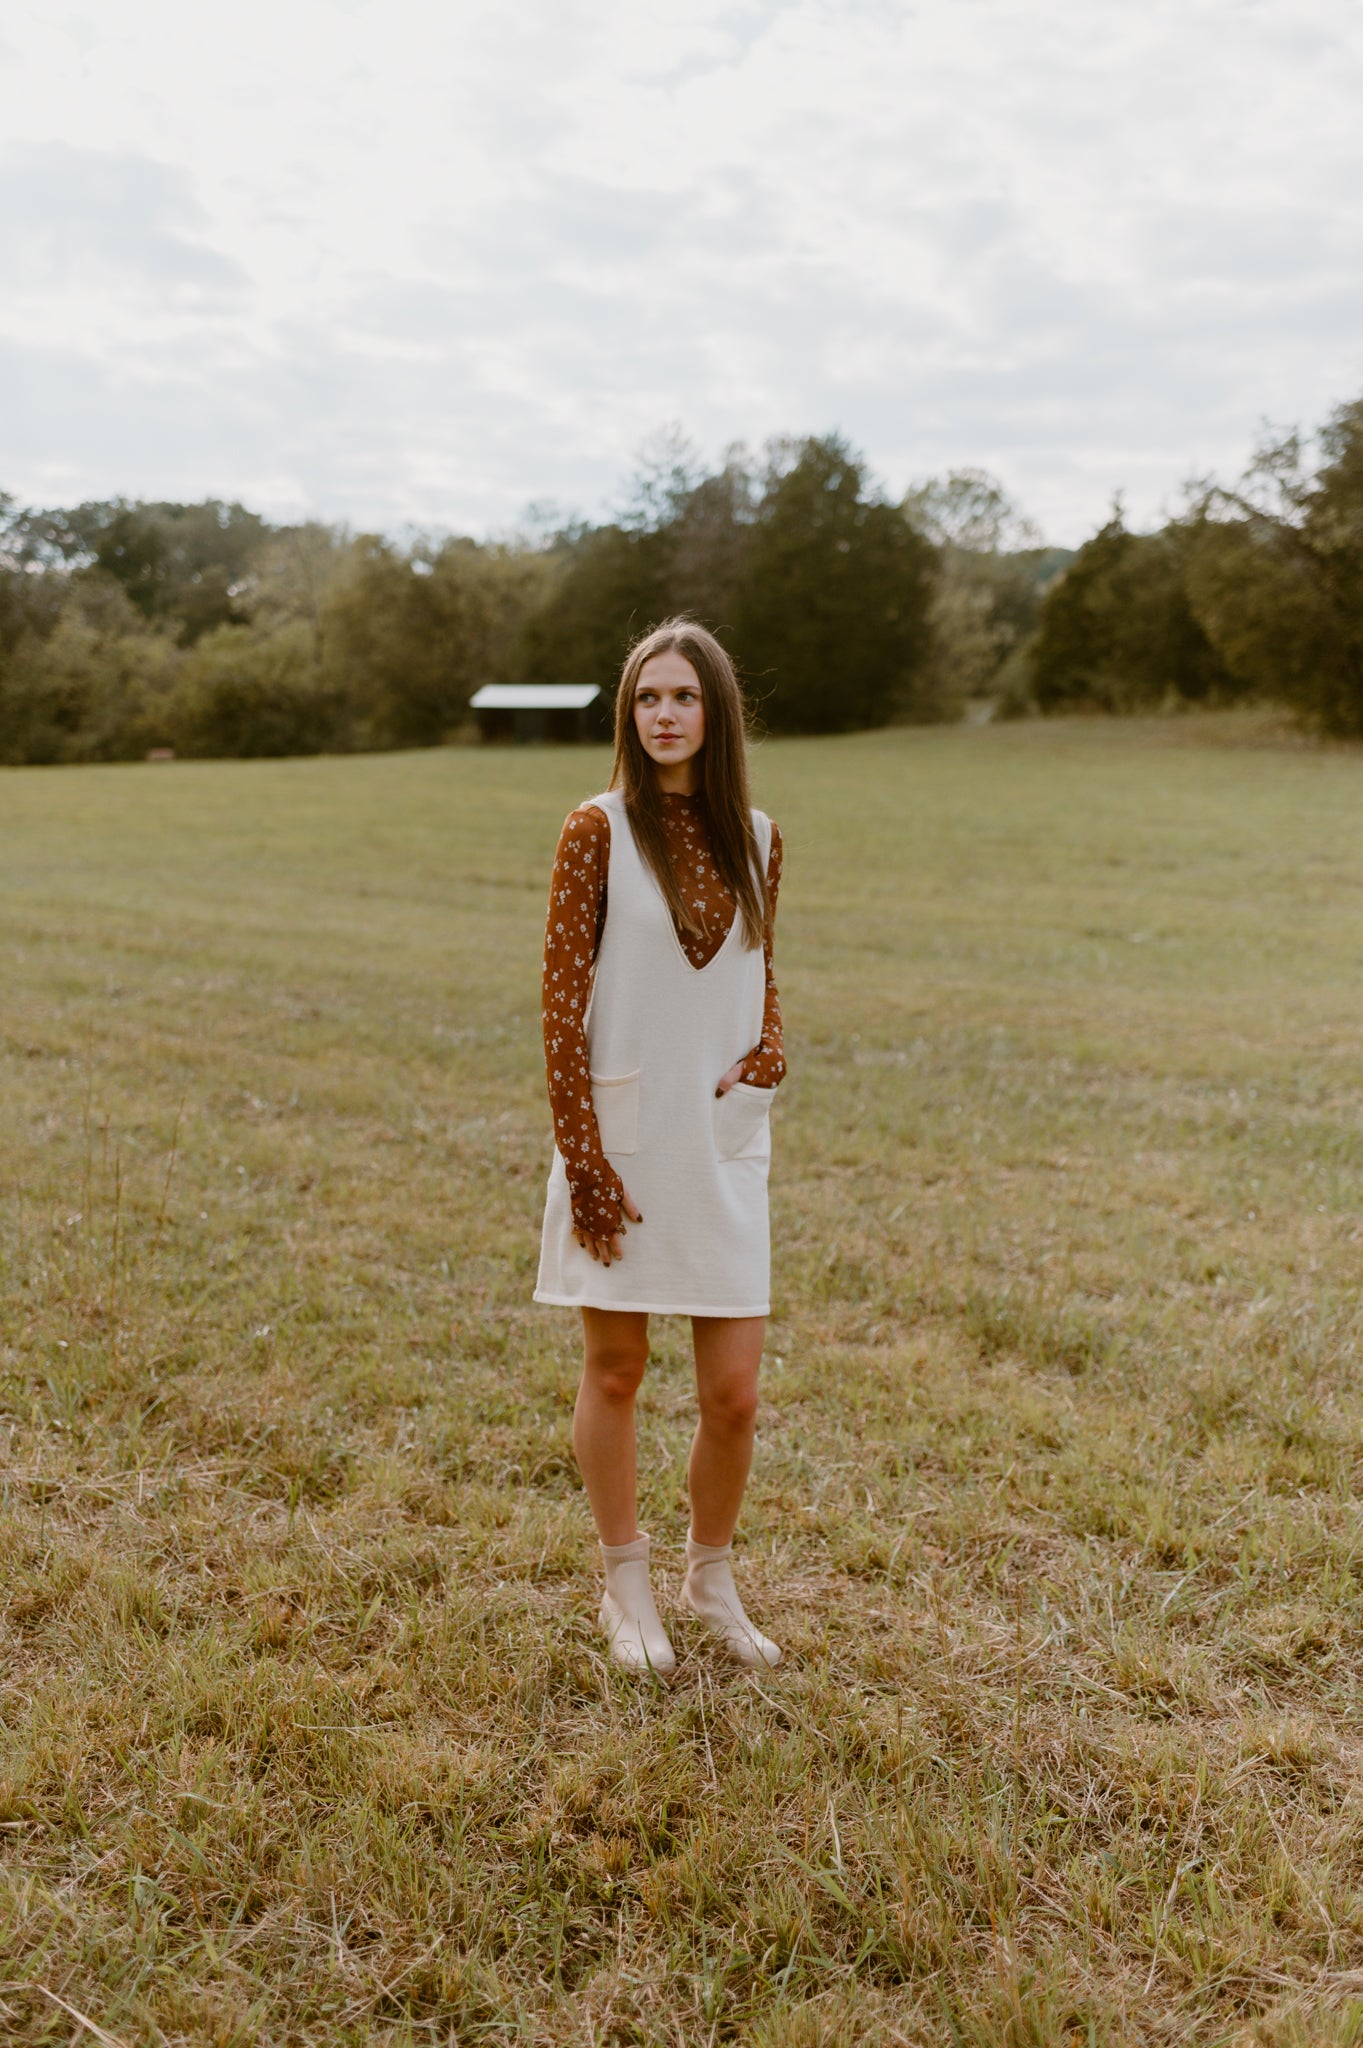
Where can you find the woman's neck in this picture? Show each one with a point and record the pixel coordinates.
(686, 779)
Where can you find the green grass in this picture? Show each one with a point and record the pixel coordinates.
(307, 1733)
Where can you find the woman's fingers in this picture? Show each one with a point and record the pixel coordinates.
(735, 1073)
(604, 1249)
(600, 1248)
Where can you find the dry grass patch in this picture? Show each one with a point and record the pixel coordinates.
(307, 1734)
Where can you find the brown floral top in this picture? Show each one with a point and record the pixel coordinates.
(577, 916)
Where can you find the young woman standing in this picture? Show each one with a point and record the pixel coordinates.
(662, 1037)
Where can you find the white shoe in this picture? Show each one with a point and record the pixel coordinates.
(638, 1641)
(709, 1591)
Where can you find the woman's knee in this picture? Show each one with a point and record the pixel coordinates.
(616, 1370)
(730, 1405)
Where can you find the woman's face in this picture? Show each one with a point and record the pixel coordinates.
(669, 712)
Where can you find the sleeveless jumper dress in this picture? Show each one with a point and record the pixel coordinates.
(660, 1033)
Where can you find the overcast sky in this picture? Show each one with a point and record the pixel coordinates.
(407, 262)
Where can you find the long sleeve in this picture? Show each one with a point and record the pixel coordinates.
(577, 911)
(765, 1065)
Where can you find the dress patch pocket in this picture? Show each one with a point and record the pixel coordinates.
(741, 1122)
(615, 1098)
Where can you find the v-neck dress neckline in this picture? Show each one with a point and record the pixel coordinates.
(694, 801)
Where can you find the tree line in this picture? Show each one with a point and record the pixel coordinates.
(1255, 590)
(131, 627)
(127, 628)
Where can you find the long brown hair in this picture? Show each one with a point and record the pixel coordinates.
(725, 766)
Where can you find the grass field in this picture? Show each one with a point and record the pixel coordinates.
(307, 1734)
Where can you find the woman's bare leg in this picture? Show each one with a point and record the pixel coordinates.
(728, 1354)
(615, 1347)
(615, 1344)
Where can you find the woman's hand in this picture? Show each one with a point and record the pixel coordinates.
(607, 1248)
(735, 1073)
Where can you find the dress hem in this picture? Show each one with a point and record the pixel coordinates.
(649, 1308)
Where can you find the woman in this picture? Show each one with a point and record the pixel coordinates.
(662, 1034)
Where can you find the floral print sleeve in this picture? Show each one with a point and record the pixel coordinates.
(765, 1066)
(577, 912)
(577, 916)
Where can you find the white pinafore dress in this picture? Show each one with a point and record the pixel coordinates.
(660, 1034)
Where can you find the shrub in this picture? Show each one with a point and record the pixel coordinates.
(99, 686)
(249, 696)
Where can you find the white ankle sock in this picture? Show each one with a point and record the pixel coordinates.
(710, 1592)
(638, 1640)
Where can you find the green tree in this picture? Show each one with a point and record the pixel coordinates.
(1276, 572)
(292, 578)
(387, 648)
(484, 594)
(606, 586)
(31, 580)
(184, 566)
(408, 637)
(676, 547)
(1117, 631)
(832, 608)
(969, 510)
(991, 575)
(708, 539)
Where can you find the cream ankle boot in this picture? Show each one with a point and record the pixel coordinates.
(638, 1640)
(709, 1591)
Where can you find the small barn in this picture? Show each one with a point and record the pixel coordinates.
(534, 711)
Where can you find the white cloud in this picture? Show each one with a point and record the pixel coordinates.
(406, 262)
